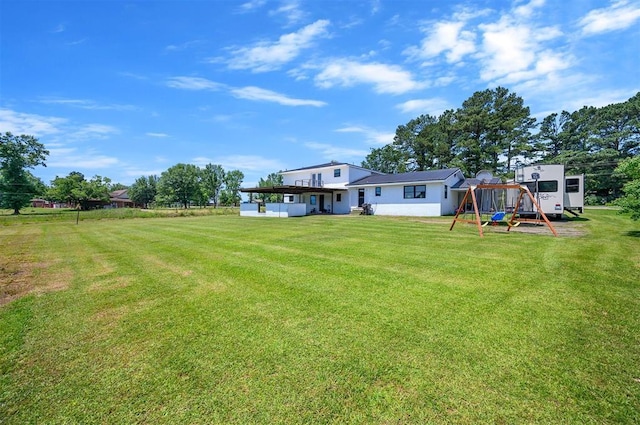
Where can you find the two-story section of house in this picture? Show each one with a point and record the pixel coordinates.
(311, 190)
(327, 186)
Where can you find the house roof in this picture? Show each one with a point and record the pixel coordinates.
(466, 183)
(411, 177)
(120, 194)
(327, 165)
(288, 189)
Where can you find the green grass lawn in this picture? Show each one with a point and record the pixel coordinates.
(322, 319)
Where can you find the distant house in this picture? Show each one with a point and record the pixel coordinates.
(120, 199)
(42, 203)
(339, 188)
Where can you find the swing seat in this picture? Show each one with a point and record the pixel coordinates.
(497, 216)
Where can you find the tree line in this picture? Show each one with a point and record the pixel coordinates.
(181, 184)
(494, 130)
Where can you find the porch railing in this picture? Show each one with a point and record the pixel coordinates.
(309, 183)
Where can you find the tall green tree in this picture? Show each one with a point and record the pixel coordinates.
(143, 191)
(212, 180)
(273, 179)
(387, 159)
(180, 184)
(550, 137)
(411, 139)
(630, 170)
(494, 128)
(17, 155)
(75, 190)
(117, 186)
(511, 124)
(474, 146)
(232, 184)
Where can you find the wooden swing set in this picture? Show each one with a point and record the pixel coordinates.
(497, 216)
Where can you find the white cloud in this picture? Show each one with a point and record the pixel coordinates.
(384, 78)
(77, 42)
(375, 6)
(599, 99)
(35, 125)
(291, 11)
(193, 83)
(252, 5)
(332, 152)
(182, 46)
(249, 92)
(512, 47)
(86, 104)
(372, 136)
(266, 56)
(434, 107)
(242, 162)
(69, 158)
(516, 48)
(526, 10)
(136, 172)
(620, 15)
(91, 132)
(159, 135)
(446, 37)
(258, 94)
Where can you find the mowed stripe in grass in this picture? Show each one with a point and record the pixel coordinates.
(327, 319)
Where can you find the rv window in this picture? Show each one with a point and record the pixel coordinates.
(572, 185)
(544, 186)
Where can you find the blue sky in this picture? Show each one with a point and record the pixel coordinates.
(129, 88)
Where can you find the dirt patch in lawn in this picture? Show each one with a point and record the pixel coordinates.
(564, 228)
(22, 272)
(21, 278)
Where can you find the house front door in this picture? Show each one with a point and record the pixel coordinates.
(321, 206)
(360, 197)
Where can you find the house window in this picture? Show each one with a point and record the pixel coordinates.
(446, 191)
(336, 172)
(378, 191)
(339, 197)
(411, 192)
(572, 186)
(312, 199)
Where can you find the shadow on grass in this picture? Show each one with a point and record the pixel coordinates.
(633, 233)
(576, 219)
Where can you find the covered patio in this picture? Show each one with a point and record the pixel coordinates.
(299, 201)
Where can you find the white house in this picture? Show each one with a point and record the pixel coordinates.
(339, 188)
(418, 193)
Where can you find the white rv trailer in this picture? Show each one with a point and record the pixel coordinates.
(553, 191)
